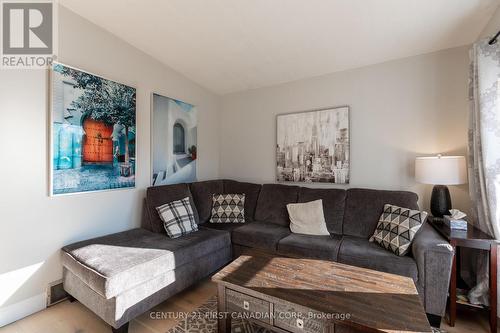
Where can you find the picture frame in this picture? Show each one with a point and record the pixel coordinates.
(88, 166)
(167, 165)
(314, 146)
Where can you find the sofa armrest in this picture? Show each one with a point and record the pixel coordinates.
(434, 257)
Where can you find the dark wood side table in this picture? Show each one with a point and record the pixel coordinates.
(475, 239)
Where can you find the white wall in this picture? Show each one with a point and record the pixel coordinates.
(34, 226)
(493, 25)
(399, 109)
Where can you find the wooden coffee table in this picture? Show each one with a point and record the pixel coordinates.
(307, 295)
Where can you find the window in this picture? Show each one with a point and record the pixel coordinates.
(179, 143)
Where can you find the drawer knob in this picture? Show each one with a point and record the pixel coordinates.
(300, 323)
(246, 305)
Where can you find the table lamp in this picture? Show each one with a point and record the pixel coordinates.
(441, 171)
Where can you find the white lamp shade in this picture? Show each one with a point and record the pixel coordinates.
(441, 170)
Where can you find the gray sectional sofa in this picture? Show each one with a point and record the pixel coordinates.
(122, 275)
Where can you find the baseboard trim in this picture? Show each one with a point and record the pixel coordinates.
(19, 310)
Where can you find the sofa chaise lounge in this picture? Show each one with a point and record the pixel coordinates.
(122, 275)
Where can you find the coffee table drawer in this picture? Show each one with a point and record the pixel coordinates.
(296, 320)
(238, 302)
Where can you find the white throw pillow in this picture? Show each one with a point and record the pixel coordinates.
(307, 218)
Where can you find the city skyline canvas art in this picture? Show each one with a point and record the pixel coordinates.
(92, 132)
(313, 146)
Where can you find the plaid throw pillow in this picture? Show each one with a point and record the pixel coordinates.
(177, 217)
(397, 227)
(228, 208)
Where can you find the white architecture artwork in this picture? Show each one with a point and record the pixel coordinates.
(174, 147)
(313, 146)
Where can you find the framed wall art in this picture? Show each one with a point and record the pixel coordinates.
(93, 125)
(313, 146)
(173, 141)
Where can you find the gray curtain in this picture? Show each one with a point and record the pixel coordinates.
(484, 151)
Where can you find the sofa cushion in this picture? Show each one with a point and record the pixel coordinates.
(118, 310)
(307, 218)
(202, 195)
(228, 208)
(223, 226)
(251, 192)
(360, 252)
(363, 209)
(260, 235)
(333, 205)
(308, 246)
(178, 218)
(271, 206)
(160, 195)
(115, 263)
(397, 227)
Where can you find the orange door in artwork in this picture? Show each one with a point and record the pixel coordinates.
(97, 142)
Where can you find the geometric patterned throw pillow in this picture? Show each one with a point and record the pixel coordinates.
(228, 208)
(397, 227)
(178, 218)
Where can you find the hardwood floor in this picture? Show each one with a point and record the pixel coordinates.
(69, 317)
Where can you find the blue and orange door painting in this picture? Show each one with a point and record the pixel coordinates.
(97, 142)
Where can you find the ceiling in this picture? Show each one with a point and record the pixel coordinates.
(234, 45)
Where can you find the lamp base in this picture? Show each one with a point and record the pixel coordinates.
(440, 201)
